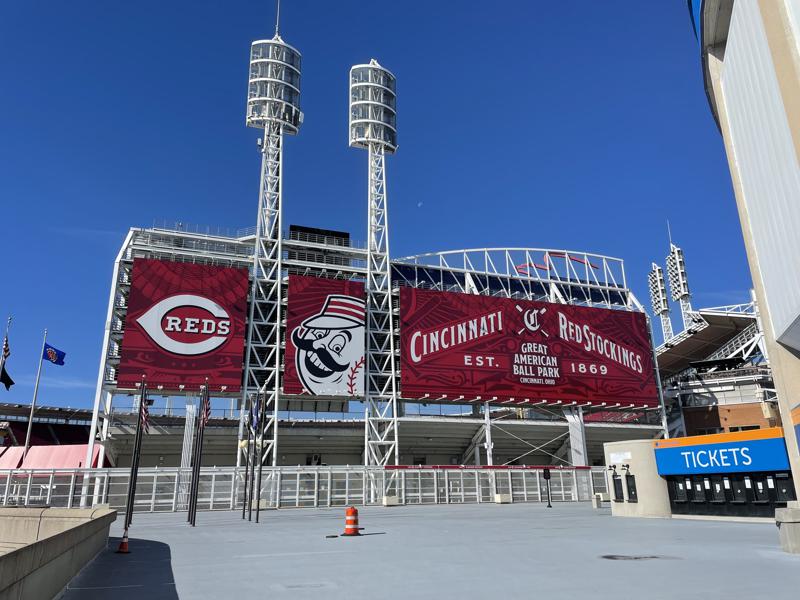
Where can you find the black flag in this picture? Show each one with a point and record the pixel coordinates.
(5, 378)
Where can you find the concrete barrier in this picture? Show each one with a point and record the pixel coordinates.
(636, 458)
(42, 549)
(788, 522)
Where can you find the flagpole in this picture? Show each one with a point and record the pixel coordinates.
(198, 449)
(246, 467)
(35, 393)
(205, 410)
(193, 482)
(137, 445)
(201, 434)
(262, 417)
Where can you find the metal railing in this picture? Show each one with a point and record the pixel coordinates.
(222, 488)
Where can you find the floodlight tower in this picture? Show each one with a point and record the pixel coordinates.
(373, 125)
(273, 105)
(678, 283)
(658, 298)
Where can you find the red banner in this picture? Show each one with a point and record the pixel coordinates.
(185, 323)
(325, 337)
(464, 347)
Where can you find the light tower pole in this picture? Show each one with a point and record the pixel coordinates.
(658, 299)
(373, 125)
(678, 283)
(273, 105)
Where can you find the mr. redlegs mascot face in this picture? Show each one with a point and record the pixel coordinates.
(330, 348)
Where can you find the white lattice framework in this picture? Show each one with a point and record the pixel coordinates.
(272, 104)
(659, 300)
(561, 276)
(372, 125)
(381, 385)
(262, 367)
(679, 284)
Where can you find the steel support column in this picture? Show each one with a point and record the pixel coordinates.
(381, 386)
(263, 364)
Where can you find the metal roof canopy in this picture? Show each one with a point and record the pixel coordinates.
(418, 435)
(694, 346)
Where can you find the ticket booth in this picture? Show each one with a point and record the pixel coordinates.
(729, 474)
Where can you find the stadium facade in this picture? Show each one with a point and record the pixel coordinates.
(329, 427)
(751, 71)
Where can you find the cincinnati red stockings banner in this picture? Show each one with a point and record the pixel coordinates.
(325, 337)
(464, 346)
(185, 323)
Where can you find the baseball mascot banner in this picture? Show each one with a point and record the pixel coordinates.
(325, 337)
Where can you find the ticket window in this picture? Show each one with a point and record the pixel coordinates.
(700, 487)
(687, 484)
(680, 493)
(718, 495)
(630, 484)
(784, 489)
(761, 490)
(734, 486)
(618, 495)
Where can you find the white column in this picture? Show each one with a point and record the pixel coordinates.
(577, 437)
(487, 417)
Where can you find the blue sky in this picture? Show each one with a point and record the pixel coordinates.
(574, 124)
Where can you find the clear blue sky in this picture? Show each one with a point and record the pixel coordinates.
(578, 125)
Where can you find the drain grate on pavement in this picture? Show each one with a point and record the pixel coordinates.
(634, 557)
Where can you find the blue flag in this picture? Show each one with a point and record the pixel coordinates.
(53, 355)
(254, 410)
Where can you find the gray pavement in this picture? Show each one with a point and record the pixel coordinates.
(470, 551)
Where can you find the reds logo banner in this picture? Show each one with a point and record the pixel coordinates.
(325, 337)
(185, 322)
(464, 347)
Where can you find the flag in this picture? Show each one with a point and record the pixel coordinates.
(254, 412)
(53, 355)
(206, 414)
(145, 415)
(5, 378)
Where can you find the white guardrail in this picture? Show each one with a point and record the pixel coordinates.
(222, 488)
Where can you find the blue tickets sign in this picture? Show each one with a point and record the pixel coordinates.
(765, 450)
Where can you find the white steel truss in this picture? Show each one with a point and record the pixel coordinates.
(381, 385)
(263, 364)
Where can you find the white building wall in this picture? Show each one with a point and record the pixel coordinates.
(767, 164)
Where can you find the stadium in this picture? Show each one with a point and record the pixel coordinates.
(236, 314)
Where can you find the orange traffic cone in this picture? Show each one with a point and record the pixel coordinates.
(123, 545)
(351, 521)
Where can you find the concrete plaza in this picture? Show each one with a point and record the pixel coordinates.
(445, 551)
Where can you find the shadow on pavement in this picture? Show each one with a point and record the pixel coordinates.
(144, 573)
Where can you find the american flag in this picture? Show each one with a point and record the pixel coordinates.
(145, 415)
(206, 410)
